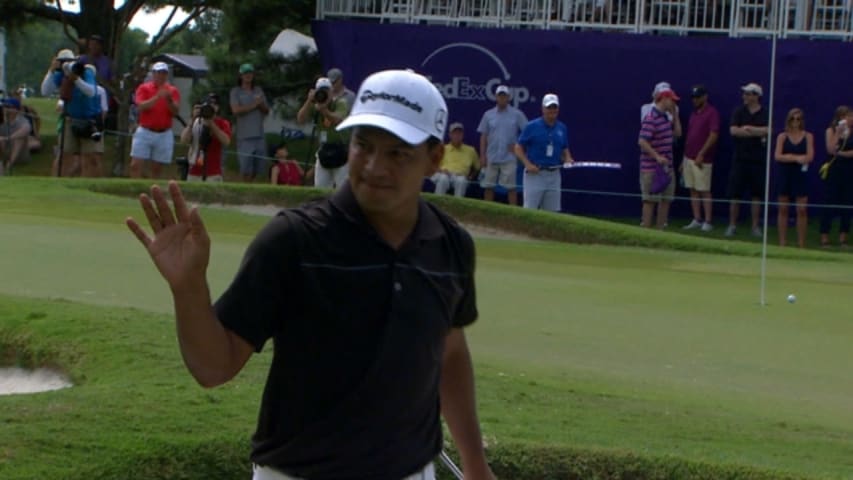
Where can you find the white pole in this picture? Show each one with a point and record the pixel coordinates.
(776, 25)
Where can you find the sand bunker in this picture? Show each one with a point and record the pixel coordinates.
(18, 380)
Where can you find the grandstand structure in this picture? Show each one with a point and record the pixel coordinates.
(810, 19)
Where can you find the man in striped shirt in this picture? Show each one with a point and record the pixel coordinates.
(656, 137)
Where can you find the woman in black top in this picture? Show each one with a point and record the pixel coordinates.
(794, 152)
(839, 191)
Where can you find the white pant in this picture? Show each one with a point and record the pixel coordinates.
(267, 473)
(443, 181)
(330, 177)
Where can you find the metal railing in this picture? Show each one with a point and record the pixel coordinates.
(829, 19)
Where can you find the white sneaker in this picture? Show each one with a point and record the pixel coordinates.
(756, 232)
(707, 227)
(730, 231)
(692, 225)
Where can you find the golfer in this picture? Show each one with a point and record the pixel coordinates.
(364, 294)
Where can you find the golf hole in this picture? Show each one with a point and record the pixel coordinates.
(16, 380)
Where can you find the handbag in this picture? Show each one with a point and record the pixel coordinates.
(83, 127)
(660, 180)
(332, 154)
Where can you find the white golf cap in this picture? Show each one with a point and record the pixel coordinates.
(753, 88)
(322, 82)
(160, 67)
(402, 102)
(550, 99)
(502, 89)
(65, 54)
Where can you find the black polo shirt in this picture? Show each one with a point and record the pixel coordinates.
(750, 149)
(358, 330)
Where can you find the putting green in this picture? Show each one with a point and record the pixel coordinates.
(652, 351)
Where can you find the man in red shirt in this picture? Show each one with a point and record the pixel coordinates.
(153, 141)
(206, 134)
(703, 130)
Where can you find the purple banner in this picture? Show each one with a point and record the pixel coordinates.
(602, 80)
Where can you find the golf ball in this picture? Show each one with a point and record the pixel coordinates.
(792, 298)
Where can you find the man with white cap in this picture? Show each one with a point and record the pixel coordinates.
(365, 295)
(543, 148)
(157, 101)
(656, 163)
(330, 168)
(499, 128)
(749, 134)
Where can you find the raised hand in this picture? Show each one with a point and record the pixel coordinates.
(180, 247)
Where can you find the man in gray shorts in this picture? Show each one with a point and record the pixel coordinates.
(499, 128)
(249, 106)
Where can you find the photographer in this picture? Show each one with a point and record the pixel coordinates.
(206, 134)
(331, 169)
(81, 114)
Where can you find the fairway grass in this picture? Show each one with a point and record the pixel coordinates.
(623, 350)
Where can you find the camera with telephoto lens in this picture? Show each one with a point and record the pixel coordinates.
(321, 95)
(71, 65)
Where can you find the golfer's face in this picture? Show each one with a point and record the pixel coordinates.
(387, 173)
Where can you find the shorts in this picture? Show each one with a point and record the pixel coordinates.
(503, 174)
(267, 473)
(792, 181)
(251, 155)
(153, 146)
(746, 177)
(73, 144)
(646, 187)
(696, 178)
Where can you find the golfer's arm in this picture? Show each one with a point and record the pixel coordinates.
(458, 404)
(212, 353)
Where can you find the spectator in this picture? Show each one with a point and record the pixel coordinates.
(157, 101)
(747, 175)
(703, 129)
(95, 55)
(207, 134)
(647, 107)
(330, 169)
(656, 137)
(81, 113)
(839, 189)
(33, 118)
(458, 165)
(14, 131)
(285, 170)
(249, 106)
(543, 147)
(794, 152)
(336, 76)
(499, 129)
(370, 347)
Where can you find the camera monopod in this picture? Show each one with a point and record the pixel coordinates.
(61, 153)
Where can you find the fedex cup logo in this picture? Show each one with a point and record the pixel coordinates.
(478, 60)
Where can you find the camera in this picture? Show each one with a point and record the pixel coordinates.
(206, 111)
(69, 66)
(321, 95)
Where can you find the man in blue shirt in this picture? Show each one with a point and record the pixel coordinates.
(543, 148)
(81, 112)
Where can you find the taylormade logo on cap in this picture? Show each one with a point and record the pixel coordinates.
(402, 102)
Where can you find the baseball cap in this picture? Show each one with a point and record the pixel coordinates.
(659, 87)
(401, 102)
(65, 54)
(698, 91)
(550, 99)
(160, 67)
(667, 93)
(455, 126)
(334, 74)
(97, 38)
(322, 82)
(12, 103)
(753, 88)
(502, 89)
(247, 68)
